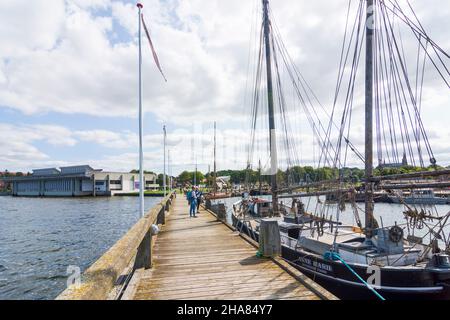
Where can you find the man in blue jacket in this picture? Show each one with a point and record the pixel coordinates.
(192, 198)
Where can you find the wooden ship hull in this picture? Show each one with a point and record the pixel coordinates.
(408, 283)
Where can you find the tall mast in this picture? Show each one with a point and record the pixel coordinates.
(273, 142)
(195, 174)
(141, 122)
(369, 206)
(215, 161)
(259, 177)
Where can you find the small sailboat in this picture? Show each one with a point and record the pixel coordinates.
(362, 261)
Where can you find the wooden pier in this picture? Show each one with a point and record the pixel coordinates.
(204, 259)
(201, 258)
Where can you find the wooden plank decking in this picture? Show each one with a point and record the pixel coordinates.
(202, 258)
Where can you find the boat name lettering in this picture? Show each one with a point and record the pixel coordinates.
(315, 264)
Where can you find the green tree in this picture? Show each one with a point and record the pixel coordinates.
(187, 177)
(199, 178)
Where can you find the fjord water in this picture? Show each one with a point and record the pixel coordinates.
(41, 237)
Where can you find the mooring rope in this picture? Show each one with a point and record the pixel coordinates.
(335, 256)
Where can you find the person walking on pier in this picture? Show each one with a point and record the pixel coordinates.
(199, 199)
(192, 198)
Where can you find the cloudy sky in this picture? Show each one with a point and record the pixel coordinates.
(68, 78)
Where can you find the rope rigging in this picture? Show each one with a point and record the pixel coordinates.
(398, 86)
(398, 80)
(306, 102)
(400, 131)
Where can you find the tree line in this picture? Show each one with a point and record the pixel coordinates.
(298, 174)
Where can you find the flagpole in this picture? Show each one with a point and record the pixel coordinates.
(141, 122)
(165, 177)
(169, 169)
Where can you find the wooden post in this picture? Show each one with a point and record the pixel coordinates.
(162, 216)
(167, 205)
(144, 253)
(269, 238)
(221, 212)
(208, 204)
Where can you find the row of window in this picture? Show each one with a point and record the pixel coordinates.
(58, 185)
(64, 185)
(54, 185)
(32, 186)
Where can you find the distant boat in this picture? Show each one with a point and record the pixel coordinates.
(424, 197)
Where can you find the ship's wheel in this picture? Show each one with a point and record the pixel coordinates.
(396, 234)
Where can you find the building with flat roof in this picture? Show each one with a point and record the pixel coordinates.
(77, 181)
(384, 165)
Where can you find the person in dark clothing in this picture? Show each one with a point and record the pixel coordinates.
(192, 199)
(199, 199)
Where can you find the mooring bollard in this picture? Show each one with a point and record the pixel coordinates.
(161, 219)
(208, 205)
(221, 212)
(269, 238)
(144, 253)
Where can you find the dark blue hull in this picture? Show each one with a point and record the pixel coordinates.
(396, 283)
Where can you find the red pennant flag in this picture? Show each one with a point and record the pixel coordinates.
(155, 56)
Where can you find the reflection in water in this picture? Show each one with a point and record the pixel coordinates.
(41, 237)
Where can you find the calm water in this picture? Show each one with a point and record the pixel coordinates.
(388, 214)
(40, 238)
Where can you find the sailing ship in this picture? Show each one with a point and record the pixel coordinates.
(356, 261)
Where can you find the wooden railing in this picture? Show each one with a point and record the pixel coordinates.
(99, 280)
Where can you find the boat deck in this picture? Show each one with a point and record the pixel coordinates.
(201, 258)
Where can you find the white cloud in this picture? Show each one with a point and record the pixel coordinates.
(18, 151)
(58, 56)
(97, 4)
(54, 135)
(107, 138)
(125, 14)
(29, 25)
(187, 147)
(86, 73)
(65, 62)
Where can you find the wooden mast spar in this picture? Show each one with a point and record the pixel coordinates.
(273, 141)
(369, 186)
(215, 161)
